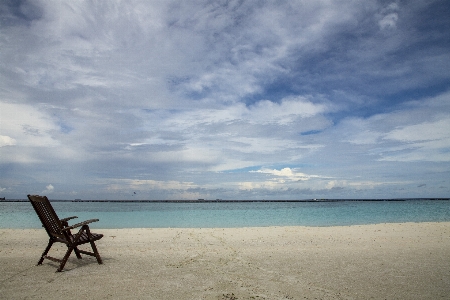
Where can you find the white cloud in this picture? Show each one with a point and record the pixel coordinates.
(157, 184)
(223, 136)
(427, 141)
(49, 188)
(358, 184)
(169, 189)
(284, 113)
(26, 125)
(288, 174)
(267, 185)
(6, 141)
(263, 112)
(389, 21)
(427, 131)
(389, 16)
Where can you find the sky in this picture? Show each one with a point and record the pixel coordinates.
(212, 99)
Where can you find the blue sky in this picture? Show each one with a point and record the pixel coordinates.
(224, 99)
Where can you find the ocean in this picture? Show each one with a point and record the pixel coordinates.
(231, 214)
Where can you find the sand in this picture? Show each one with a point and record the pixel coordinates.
(383, 261)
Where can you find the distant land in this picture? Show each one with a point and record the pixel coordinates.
(229, 201)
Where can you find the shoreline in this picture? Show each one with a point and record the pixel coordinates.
(238, 201)
(98, 227)
(386, 260)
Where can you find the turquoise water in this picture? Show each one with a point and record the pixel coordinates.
(216, 215)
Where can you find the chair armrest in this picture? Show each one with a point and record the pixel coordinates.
(80, 224)
(69, 218)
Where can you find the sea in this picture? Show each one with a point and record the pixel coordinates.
(231, 214)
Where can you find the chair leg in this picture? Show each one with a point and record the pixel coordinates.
(64, 260)
(97, 255)
(94, 248)
(50, 243)
(77, 253)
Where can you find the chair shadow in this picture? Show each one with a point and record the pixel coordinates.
(74, 263)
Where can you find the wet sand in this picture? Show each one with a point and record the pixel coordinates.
(383, 261)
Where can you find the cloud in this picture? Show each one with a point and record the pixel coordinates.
(388, 21)
(389, 17)
(426, 131)
(284, 113)
(143, 189)
(416, 131)
(427, 141)
(26, 125)
(6, 141)
(207, 135)
(288, 174)
(188, 97)
(49, 189)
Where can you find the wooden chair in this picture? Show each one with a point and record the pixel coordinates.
(59, 231)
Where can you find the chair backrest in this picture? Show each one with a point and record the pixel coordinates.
(47, 215)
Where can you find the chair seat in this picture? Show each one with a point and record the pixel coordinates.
(83, 239)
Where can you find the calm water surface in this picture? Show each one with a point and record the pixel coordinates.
(216, 215)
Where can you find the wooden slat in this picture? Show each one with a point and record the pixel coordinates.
(86, 252)
(53, 259)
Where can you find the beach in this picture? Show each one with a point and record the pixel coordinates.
(381, 261)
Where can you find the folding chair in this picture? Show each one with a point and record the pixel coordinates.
(59, 231)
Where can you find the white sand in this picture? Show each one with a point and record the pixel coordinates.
(384, 261)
